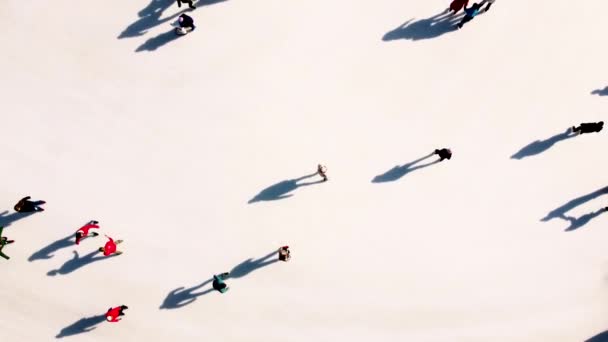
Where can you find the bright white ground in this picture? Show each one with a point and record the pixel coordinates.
(166, 145)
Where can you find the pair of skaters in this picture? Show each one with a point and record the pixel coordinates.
(108, 249)
(219, 280)
(25, 205)
(470, 12)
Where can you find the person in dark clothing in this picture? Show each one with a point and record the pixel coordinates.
(444, 153)
(322, 171)
(26, 206)
(186, 21)
(3, 242)
(284, 253)
(489, 4)
(589, 127)
(189, 2)
(471, 12)
(218, 282)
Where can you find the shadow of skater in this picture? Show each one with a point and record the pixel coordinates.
(158, 41)
(400, 171)
(602, 337)
(180, 297)
(432, 27)
(47, 252)
(561, 211)
(280, 190)
(600, 92)
(251, 265)
(6, 220)
(540, 146)
(76, 262)
(577, 222)
(83, 325)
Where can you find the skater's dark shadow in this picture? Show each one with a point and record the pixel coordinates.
(150, 16)
(540, 146)
(83, 325)
(432, 27)
(181, 297)
(600, 92)
(399, 171)
(47, 252)
(577, 222)
(561, 211)
(602, 337)
(158, 41)
(281, 190)
(251, 265)
(6, 219)
(77, 262)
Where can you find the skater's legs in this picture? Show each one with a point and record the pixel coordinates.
(465, 20)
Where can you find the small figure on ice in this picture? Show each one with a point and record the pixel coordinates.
(218, 282)
(3, 242)
(444, 153)
(589, 127)
(113, 313)
(322, 171)
(110, 247)
(284, 253)
(185, 25)
(27, 206)
(471, 13)
(83, 232)
(189, 2)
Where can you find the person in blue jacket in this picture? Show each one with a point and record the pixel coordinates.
(470, 13)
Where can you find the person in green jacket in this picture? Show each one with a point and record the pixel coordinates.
(218, 282)
(3, 242)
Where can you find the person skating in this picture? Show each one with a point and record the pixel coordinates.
(444, 153)
(457, 5)
(489, 4)
(322, 171)
(84, 231)
(189, 2)
(284, 253)
(110, 247)
(27, 206)
(218, 282)
(186, 22)
(113, 313)
(589, 127)
(471, 13)
(3, 242)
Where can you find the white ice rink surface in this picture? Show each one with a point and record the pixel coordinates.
(166, 141)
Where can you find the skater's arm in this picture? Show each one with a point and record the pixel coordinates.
(1, 229)
(3, 255)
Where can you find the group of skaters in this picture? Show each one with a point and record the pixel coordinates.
(185, 23)
(469, 12)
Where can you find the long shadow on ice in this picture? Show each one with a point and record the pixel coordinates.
(47, 252)
(399, 171)
(577, 222)
(602, 337)
(281, 190)
(83, 325)
(251, 265)
(540, 146)
(158, 41)
(182, 297)
(560, 212)
(6, 220)
(77, 262)
(428, 28)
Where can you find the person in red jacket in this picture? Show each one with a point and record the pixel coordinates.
(113, 313)
(84, 231)
(110, 247)
(457, 5)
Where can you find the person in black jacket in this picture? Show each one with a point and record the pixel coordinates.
(27, 206)
(444, 153)
(189, 2)
(589, 127)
